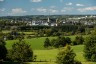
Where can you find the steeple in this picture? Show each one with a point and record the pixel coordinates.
(48, 20)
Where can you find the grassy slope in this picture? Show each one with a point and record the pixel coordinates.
(49, 55)
(36, 43)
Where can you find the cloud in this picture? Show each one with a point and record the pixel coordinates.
(17, 11)
(69, 3)
(79, 5)
(87, 9)
(35, 0)
(41, 9)
(2, 10)
(63, 10)
(53, 11)
(1, 0)
(67, 9)
(45, 10)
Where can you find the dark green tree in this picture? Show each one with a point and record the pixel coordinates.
(47, 43)
(90, 48)
(21, 52)
(68, 40)
(3, 50)
(79, 40)
(66, 56)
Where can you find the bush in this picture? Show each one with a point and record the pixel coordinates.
(3, 50)
(78, 40)
(90, 48)
(66, 56)
(60, 42)
(47, 43)
(21, 52)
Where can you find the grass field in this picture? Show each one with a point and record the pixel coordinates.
(36, 43)
(49, 55)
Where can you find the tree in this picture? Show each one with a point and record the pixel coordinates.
(68, 40)
(79, 40)
(21, 52)
(3, 50)
(47, 43)
(90, 48)
(66, 56)
(60, 42)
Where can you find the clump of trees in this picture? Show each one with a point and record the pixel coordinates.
(21, 52)
(90, 47)
(78, 40)
(3, 50)
(63, 41)
(47, 43)
(59, 42)
(66, 56)
(14, 35)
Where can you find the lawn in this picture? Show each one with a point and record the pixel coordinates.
(36, 43)
(49, 55)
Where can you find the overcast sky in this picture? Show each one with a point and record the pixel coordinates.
(46, 7)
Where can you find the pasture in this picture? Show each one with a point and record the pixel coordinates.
(48, 56)
(36, 43)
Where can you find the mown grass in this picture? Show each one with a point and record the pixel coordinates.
(50, 55)
(36, 43)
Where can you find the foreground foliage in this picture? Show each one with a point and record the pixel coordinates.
(66, 56)
(21, 51)
(90, 47)
(3, 50)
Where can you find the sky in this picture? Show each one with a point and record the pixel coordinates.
(46, 7)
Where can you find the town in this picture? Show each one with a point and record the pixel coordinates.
(53, 20)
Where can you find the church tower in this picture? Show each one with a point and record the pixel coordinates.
(48, 20)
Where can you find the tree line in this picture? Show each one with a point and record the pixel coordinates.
(63, 41)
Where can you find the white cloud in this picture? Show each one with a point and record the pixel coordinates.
(1, 0)
(79, 5)
(63, 10)
(35, 0)
(41, 9)
(66, 9)
(69, 3)
(2, 10)
(53, 10)
(87, 9)
(17, 11)
(45, 10)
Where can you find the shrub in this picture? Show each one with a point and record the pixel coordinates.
(3, 50)
(21, 52)
(90, 48)
(66, 56)
(47, 43)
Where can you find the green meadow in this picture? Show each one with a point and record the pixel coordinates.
(37, 43)
(48, 56)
